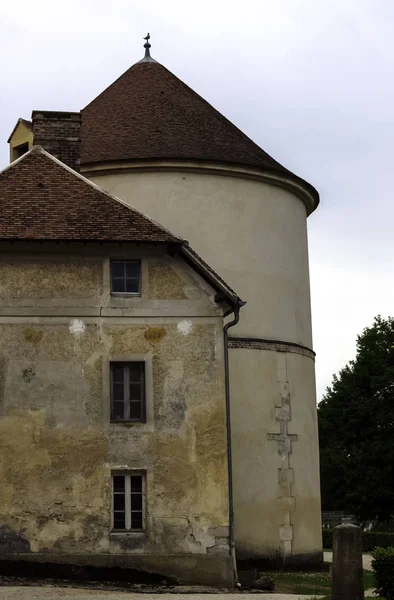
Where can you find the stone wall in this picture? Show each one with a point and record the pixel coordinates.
(254, 235)
(59, 328)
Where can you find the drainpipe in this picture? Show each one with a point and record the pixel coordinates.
(235, 309)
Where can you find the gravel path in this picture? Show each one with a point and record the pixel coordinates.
(55, 593)
(68, 593)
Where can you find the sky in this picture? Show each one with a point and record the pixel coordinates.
(310, 81)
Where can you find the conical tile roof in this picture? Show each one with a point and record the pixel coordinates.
(148, 113)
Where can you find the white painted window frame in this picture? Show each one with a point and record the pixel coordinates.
(127, 475)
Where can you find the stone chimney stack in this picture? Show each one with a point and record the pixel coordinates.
(59, 134)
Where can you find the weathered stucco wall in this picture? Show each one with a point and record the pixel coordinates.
(59, 328)
(255, 235)
(276, 476)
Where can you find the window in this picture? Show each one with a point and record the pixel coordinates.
(126, 276)
(19, 151)
(128, 502)
(128, 391)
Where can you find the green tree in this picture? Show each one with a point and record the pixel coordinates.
(356, 429)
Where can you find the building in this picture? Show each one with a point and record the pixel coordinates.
(151, 141)
(113, 432)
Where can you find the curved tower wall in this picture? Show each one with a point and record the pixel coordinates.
(254, 235)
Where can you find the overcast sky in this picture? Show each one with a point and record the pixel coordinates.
(310, 81)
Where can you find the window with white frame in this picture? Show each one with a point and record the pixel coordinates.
(128, 501)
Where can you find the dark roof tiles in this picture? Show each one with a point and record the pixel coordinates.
(148, 113)
(43, 199)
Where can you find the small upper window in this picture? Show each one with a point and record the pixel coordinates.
(126, 276)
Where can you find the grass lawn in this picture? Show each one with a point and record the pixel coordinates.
(299, 582)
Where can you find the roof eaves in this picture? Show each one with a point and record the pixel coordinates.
(284, 178)
(204, 270)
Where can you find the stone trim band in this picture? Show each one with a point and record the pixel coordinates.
(273, 345)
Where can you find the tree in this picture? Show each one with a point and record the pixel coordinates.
(356, 429)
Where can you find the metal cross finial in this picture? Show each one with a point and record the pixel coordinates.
(147, 46)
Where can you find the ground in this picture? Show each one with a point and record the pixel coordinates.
(54, 593)
(284, 581)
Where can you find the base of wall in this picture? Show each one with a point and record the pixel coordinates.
(310, 561)
(189, 569)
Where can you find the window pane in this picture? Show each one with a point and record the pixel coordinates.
(117, 269)
(117, 373)
(133, 270)
(125, 276)
(135, 392)
(132, 286)
(118, 285)
(135, 410)
(118, 483)
(118, 392)
(119, 502)
(136, 520)
(136, 483)
(119, 520)
(117, 410)
(136, 371)
(136, 501)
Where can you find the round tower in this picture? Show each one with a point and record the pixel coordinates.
(152, 141)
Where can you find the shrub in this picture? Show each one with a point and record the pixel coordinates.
(383, 566)
(370, 539)
(374, 539)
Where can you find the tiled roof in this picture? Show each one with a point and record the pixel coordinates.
(43, 199)
(148, 113)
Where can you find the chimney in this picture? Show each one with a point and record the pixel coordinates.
(59, 134)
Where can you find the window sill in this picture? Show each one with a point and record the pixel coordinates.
(128, 423)
(127, 533)
(125, 294)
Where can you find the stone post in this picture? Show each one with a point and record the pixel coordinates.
(347, 563)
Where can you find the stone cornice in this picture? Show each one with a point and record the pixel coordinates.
(294, 184)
